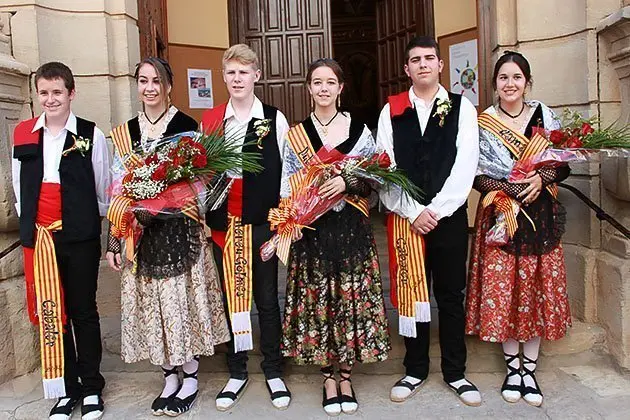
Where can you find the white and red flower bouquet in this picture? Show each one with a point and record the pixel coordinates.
(181, 174)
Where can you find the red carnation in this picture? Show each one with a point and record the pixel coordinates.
(383, 160)
(160, 172)
(199, 161)
(574, 143)
(586, 129)
(178, 161)
(556, 137)
(152, 158)
(199, 148)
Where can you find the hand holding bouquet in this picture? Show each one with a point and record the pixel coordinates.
(181, 174)
(306, 204)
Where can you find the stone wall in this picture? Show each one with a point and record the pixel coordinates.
(613, 262)
(19, 344)
(97, 39)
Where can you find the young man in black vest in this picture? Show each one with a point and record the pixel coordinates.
(433, 136)
(239, 227)
(60, 178)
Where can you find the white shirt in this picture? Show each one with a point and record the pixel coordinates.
(455, 191)
(53, 150)
(237, 129)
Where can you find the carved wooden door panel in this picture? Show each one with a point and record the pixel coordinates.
(287, 35)
(397, 21)
(153, 30)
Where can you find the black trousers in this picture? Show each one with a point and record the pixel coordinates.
(265, 290)
(445, 263)
(78, 264)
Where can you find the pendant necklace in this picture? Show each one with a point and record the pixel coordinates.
(510, 115)
(158, 118)
(325, 126)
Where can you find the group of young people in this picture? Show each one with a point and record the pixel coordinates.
(177, 300)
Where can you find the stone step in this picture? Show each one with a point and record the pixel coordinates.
(584, 344)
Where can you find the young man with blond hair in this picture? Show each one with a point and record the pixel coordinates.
(239, 227)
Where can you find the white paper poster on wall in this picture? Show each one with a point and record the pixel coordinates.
(464, 70)
(200, 88)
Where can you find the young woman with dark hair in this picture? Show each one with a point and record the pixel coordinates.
(517, 292)
(171, 303)
(334, 311)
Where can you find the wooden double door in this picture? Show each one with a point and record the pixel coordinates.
(289, 34)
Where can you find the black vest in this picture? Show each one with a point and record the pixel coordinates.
(79, 204)
(261, 192)
(178, 124)
(427, 159)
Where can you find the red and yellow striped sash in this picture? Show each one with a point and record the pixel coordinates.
(49, 304)
(120, 217)
(237, 268)
(407, 273)
(123, 144)
(519, 145)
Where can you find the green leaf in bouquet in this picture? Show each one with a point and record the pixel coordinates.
(224, 153)
(395, 176)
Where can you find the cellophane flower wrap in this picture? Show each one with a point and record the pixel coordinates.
(179, 175)
(305, 205)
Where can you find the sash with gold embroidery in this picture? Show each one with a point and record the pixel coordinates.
(410, 291)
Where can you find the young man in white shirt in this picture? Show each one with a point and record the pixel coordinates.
(60, 178)
(433, 136)
(240, 227)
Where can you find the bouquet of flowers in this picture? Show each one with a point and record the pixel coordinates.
(305, 205)
(576, 138)
(180, 174)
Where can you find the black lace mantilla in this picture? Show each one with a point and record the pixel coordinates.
(345, 236)
(169, 247)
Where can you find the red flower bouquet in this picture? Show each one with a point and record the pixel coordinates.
(181, 174)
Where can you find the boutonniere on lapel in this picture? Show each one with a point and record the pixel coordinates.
(81, 145)
(443, 108)
(262, 128)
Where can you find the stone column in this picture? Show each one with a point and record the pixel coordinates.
(19, 345)
(97, 39)
(613, 263)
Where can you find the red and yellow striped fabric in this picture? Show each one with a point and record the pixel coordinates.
(49, 304)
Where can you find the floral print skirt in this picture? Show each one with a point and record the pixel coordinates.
(170, 320)
(515, 296)
(335, 310)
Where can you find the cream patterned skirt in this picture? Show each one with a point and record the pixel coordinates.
(168, 321)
